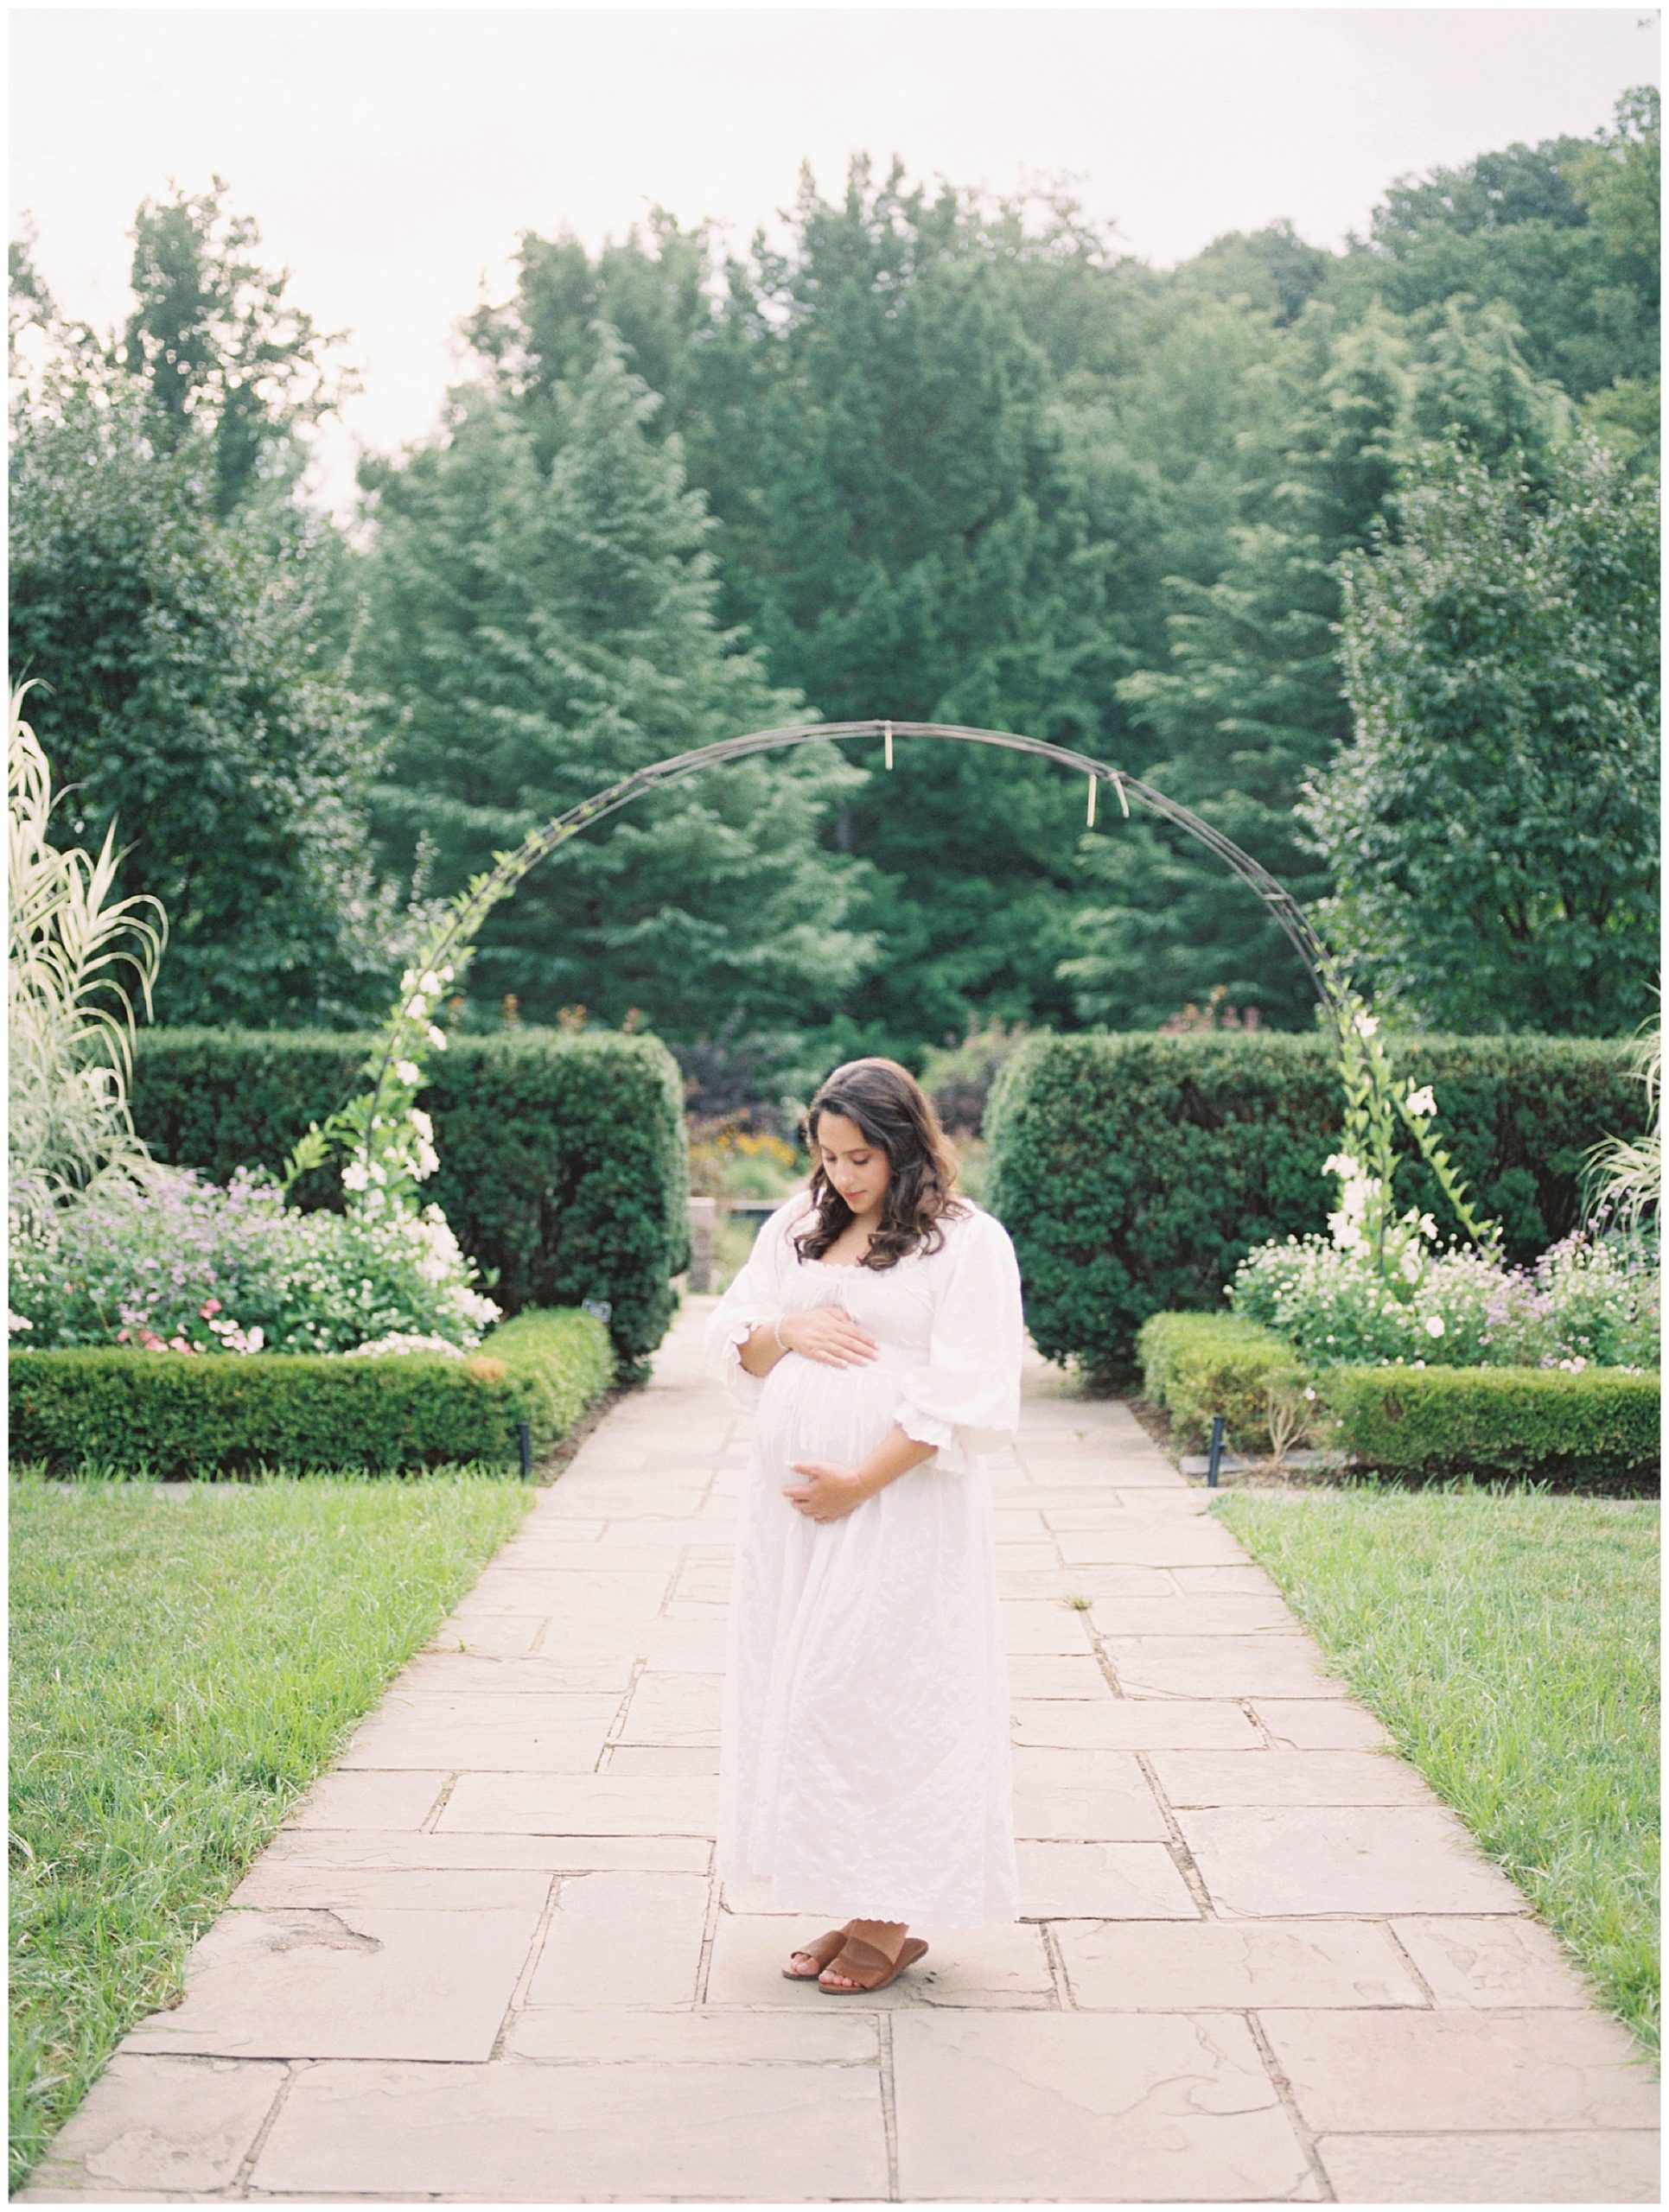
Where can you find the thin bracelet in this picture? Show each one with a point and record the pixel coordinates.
(776, 1331)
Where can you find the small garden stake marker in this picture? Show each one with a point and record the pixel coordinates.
(1216, 1450)
(1090, 818)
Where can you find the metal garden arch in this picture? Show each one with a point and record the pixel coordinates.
(470, 907)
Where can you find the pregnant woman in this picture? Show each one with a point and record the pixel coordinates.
(876, 1335)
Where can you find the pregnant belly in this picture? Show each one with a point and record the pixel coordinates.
(810, 1410)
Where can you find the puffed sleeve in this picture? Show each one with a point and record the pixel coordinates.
(965, 1397)
(756, 1295)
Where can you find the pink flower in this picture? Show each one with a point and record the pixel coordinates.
(209, 1308)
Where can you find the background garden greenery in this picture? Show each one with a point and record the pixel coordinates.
(938, 457)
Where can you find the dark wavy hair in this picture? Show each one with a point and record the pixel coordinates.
(894, 1114)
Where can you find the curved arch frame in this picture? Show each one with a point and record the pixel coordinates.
(509, 868)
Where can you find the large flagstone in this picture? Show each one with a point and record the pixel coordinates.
(161, 2124)
(545, 1732)
(1024, 2107)
(1378, 2072)
(370, 1981)
(1213, 1965)
(1594, 2166)
(519, 2132)
(1278, 1861)
(622, 1940)
(1273, 1778)
(602, 1804)
(1062, 1881)
(1121, 1724)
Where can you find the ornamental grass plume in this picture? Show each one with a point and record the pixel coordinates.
(71, 1132)
(1628, 1171)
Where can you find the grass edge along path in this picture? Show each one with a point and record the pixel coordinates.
(1507, 1638)
(187, 1658)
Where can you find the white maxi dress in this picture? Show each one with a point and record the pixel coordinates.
(865, 1770)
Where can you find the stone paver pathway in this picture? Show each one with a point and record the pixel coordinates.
(486, 1960)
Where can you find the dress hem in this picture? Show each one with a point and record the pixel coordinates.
(773, 1897)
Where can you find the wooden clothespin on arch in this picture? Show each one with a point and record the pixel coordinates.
(887, 732)
(1118, 784)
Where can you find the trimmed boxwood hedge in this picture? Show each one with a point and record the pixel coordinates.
(1198, 1364)
(1596, 1426)
(175, 1413)
(1135, 1172)
(565, 1159)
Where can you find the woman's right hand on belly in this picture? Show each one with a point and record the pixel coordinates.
(828, 1333)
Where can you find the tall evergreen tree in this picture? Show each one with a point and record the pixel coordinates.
(536, 631)
(920, 548)
(900, 526)
(1251, 699)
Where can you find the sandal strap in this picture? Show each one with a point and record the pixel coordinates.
(865, 1958)
(824, 1949)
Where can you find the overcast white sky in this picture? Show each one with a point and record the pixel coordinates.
(392, 156)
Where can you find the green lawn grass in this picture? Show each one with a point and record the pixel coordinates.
(1508, 1640)
(186, 1658)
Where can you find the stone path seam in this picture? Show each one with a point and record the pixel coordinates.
(487, 1959)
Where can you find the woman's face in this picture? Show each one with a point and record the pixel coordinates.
(860, 1171)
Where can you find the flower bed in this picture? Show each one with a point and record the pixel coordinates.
(196, 1268)
(563, 1166)
(174, 1413)
(1592, 1299)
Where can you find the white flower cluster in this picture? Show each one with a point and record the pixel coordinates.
(420, 991)
(401, 1341)
(1348, 1223)
(443, 1264)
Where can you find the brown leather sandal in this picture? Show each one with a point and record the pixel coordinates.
(823, 1951)
(859, 1958)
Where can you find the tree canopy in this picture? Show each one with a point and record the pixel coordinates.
(933, 455)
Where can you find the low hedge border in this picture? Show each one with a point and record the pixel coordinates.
(1198, 1364)
(169, 1412)
(1596, 1427)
